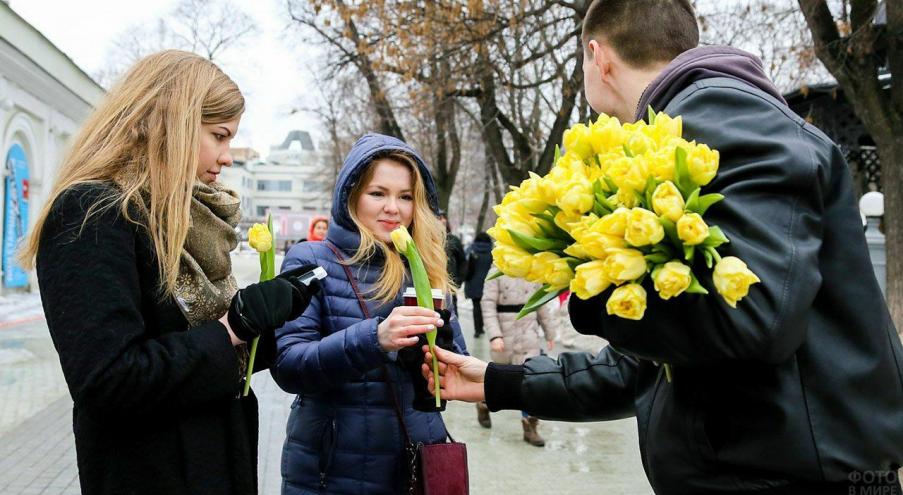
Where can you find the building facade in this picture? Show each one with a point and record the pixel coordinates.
(44, 97)
(293, 184)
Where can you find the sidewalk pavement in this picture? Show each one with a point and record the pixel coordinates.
(20, 307)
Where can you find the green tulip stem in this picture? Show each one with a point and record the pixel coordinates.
(267, 272)
(424, 300)
(251, 357)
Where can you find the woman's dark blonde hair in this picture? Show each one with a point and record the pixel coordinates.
(426, 230)
(145, 137)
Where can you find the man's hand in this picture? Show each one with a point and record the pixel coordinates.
(460, 377)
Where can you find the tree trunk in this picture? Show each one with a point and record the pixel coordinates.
(569, 92)
(891, 155)
(854, 61)
(491, 130)
(484, 207)
(448, 143)
(388, 124)
(488, 185)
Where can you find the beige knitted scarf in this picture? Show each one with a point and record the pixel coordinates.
(205, 285)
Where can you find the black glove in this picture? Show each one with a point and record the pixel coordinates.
(587, 316)
(266, 306)
(303, 293)
(411, 358)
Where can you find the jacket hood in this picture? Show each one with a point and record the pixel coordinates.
(703, 63)
(356, 162)
(481, 246)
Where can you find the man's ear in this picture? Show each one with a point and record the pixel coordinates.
(601, 56)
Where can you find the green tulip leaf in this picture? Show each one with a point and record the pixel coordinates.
(706, 201)
(716, 237)
(657, 258)
(695, 287)
(651, 184)
(682, 172)
(627, 151)
(573, 263)
(671, 231)
(538, 299)
(693, 201)
(612, 187)
(535, 244)
(688, 253)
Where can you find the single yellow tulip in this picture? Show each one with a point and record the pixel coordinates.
(401, 238)
(732, 279)
(671, 279)
(577, 140)
(259, 238)
(624, 264)
(589, 280)
(643, 228)
(668, 202)
(691, 229)
(512, 261)
(702, 163)
(628, 302)
(615, 223)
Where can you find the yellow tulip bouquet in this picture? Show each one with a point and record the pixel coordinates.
(622, 203)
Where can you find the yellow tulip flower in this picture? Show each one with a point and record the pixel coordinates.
(732, 279)
(692, 229)
(589, 280)
(671, 279)
(643, 228)
(628, 302)
(259, 238)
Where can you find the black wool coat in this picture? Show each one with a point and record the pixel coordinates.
(156, 407)
(800, 387)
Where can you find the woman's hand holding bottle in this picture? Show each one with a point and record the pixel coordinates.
(403, 326)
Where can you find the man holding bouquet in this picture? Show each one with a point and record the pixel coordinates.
(796, 389)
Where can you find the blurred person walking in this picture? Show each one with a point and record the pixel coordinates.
(319, 226)
(457, 262)
(479, 261)
(512, 341)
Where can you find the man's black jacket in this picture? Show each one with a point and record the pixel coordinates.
(802, 382)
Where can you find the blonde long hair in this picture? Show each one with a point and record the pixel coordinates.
(145, 137)
(426, 230)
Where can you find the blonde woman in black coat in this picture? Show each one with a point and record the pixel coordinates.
(132, 257)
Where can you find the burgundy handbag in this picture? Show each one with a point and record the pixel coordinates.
(435, 469)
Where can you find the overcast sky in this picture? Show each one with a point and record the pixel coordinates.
(272, 69)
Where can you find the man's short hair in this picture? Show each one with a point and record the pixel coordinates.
(643, 32)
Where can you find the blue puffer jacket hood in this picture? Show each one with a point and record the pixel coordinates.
(356, 162)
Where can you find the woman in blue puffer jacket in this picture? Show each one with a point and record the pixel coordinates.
(343, 435)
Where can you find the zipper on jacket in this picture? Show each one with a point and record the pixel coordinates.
(328, 446)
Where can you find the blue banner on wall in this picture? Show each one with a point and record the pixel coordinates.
(15, 217)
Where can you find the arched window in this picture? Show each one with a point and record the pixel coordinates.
(18, 163)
